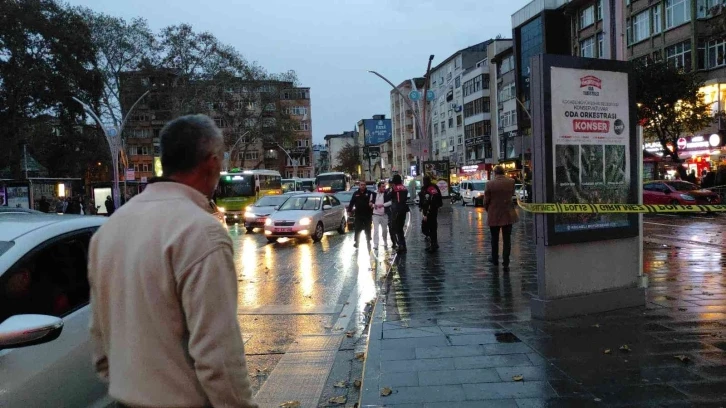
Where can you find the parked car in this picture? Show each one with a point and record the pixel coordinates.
(677, 192)
(520, 192)
(472, 192)
(44, 312)
(306, 216)
(345, 197)
(257, 213)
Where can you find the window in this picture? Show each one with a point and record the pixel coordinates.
(139, 150)
(657, 19)
(508, 118)
(297, 110)
(677, 12)
(220, 122)
(436, 128)
(451, 122)
(270, 107)
(141, 133)
(600, 45)
(251, 156)
(716, 52)
(476, 84)
(476, 107)
(709, 8)
(302, 143)
(460, 139)
(506, 92)
(482, 128)
(587, 47)
(146, 167)
(506, 65)
(457, 82)
(303, 126)
(587, 17)
(459, 120)
(50, 280)
(679, 55)
(598, 14)
(641, 26)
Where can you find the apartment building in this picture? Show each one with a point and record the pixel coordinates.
(447, 109)
(321, 161)
(335, 144)
(403, 123)
(247, 113)
(476, 114)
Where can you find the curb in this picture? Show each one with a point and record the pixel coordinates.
(371, 377)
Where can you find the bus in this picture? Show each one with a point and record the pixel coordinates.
(292, 184)
(332, 182)
(239, 188)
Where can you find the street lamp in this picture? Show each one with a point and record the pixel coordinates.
(228, 154)
(115, 143)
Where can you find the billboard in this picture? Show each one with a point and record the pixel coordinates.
(377, 131)
(440, 174)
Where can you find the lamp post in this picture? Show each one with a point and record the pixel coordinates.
(115, 143)
(231, 149)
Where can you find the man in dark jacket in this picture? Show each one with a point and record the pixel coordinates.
(392, 234)
(362, 201)
(110, 207)
(430, 203)
(399, 208)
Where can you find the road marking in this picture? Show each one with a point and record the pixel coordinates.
(289, 309)
(677, 243)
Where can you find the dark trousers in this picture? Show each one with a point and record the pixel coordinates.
(507, 235)
(398, 224)
(394, 239)
(363, 223)
(430, 227)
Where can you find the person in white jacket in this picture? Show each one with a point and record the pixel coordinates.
(380, 216)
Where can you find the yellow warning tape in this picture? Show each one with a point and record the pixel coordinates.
(557, 208)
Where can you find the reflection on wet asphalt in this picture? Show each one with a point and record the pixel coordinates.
(293, 288)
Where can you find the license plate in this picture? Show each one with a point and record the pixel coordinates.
(260, 220)
(283, 229)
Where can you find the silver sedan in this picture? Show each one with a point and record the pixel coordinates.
(306, 216)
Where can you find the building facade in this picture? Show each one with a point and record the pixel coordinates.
(321, 161)
(404, 127)
(476, 95)
(335, 145)
(447, 110)
(247, 114)
(375, 147)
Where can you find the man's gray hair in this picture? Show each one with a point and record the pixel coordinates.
(187, 141)
(499, 170)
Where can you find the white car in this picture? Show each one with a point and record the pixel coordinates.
(472, 192)
(306, 216)
(45, 354)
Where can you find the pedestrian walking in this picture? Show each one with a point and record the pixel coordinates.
(362, 202)
(392, 235)
(110, 206)
(164, 328)
(431, 201)
(381, 208)
(399, 209)
(501, 214)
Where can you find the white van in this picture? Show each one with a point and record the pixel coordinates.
(472, 192)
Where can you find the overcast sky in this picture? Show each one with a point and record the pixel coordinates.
(331, 44)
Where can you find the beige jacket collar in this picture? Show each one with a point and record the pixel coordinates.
(171, 190)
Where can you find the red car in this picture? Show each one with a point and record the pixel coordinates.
(677, 192)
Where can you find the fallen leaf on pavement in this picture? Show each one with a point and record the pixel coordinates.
(596, 325)
(341, 384)
(597, 400)
(344, 316)
(671, 279)
(290, 404)
(518, 378)
(386, 391)
(328, 327)
(338, 400)
(625, 348)
(357, 383)
(360, 356)
(349, 333)
(457, 329)
(607, 351)
(683, 358)
(670, 298)
(452, 308)
(682, 309)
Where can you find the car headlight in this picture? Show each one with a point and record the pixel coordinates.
(220, 209)
(305, 221)
(268, 221)
(688, 197)
(249, 215)
(248, 208)
(479, 194)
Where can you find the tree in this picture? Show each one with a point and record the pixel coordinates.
(669, 104)
(46, 57)
(348, 160)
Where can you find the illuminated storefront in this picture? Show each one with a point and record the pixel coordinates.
(479, 171)
(698, 153)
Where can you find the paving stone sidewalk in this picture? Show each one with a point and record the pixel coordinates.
(449, 330)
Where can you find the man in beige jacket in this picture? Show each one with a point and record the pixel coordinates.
(164, 288)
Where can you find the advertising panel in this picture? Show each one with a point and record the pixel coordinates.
(440, 173)
(377, 131)
(17, 196)
(590, 153)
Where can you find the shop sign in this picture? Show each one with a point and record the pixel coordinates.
(474, 141)
(470, 169)
(509, 165)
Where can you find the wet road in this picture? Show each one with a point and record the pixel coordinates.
(299, 288)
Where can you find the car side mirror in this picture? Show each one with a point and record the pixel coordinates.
(327, 207)
(277, 207)
(29, 330)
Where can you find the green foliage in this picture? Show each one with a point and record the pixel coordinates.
(348, 160)
(669, 103)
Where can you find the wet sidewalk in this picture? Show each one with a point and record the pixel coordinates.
(450, 330)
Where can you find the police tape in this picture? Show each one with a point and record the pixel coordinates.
(557, 208)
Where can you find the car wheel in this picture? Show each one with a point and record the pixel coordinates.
(343, 224)
(250, 229)
(463, 203)
(675, 202)
(271, 240)
(319, 231)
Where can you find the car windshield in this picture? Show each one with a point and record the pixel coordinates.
(301, 203)
(4, 246)
(239, 186)
(336, 182)
(345, 196)
(270, 201)
(478, 186)
(683, 186)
